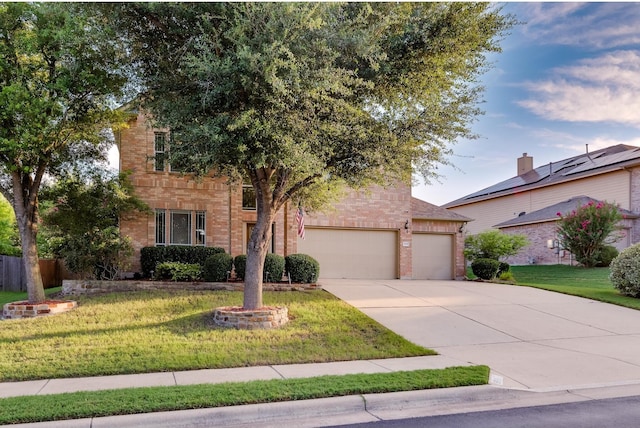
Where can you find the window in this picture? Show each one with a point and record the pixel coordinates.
(248, 197)
(161, 227)
(160, 147)
(201, 231)
(180, 228)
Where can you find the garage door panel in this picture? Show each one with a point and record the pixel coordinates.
(345, 253)
(432, 256)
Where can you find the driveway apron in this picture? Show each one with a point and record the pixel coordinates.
(530, 338)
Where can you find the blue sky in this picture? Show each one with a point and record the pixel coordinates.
(568, 76)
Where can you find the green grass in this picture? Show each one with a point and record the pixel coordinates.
(591, 283)
(16, 296)
(143, 400)
(156, 331)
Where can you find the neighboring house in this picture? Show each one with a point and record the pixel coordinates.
(524, 203)
(540, 228)
(378, 234)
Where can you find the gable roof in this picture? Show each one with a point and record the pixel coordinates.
(584, 165)
(421, 210)
(550, 213)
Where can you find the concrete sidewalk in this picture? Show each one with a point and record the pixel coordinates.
(213, 376)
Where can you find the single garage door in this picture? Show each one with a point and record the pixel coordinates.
(432, 256)
(345, 253)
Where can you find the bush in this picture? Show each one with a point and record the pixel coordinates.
(485, 268)
(606, 255)
(240, 264)
(302, 268)
(151, 256)
(493, 244)
(503, 268)
(217, 267)
(273, 267)
(625, 271)
(177, 271)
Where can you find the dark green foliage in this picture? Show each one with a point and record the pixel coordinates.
(240, 264)
(606, 254)
(151, 256)
(503, 268)
(625, 271)
(273, 267)
(176, 271)
(302, 268)
(485, 268)
(217, 267)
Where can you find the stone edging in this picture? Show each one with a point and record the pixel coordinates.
(17, 310)
(72, 287)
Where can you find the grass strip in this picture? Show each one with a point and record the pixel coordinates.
(592, 283)
(29, 409)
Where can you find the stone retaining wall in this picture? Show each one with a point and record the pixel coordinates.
(29, 310)
(72, 287)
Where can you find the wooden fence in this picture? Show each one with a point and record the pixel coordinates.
(12, 276)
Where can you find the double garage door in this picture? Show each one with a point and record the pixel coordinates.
(350, 253)
(373, 254)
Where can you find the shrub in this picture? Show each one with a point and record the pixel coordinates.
(302, 268)
(493, 244)
(177, 271)
(606, 255)
(506, 276)
(503, 268)
(625, 271)
(485, 268)
(151, 256)
(273, 267)
(217, 267)
(240, 265)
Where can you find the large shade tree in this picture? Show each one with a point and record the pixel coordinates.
(58, 75)
(298, 97)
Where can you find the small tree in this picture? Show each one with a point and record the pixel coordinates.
(83, 220)
(493, 244)
(587, 229)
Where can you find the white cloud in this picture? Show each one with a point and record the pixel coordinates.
(601, 89)
(587, 25)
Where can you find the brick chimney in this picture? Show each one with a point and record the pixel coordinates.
(525, 164)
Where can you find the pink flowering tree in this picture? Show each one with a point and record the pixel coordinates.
(587, 229)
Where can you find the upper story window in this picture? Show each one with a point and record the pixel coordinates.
(160, 150)
(248, 197)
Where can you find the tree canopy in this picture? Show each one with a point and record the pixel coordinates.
(60, 74)
(298, 98)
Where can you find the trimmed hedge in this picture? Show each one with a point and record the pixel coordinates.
(273, 267)
(302, 268)
(177, 271)
(485, 268)
(606, 255)
(151, 256)
(240, 265)
(217, 267)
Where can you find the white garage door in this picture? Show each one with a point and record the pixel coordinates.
(344, 253)
(432, 256)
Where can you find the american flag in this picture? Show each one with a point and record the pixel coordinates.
(300, 221)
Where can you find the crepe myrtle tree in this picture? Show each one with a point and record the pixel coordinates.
(300, 99)
(58, 71)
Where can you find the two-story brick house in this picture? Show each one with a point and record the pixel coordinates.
(382, 233)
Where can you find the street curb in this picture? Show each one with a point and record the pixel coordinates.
(352, 409)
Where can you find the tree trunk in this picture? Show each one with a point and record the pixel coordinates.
(25, 205)
(256, 253)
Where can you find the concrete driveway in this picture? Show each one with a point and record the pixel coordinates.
(530, 338)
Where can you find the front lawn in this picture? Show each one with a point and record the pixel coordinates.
(591, 283)
(152, 331)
